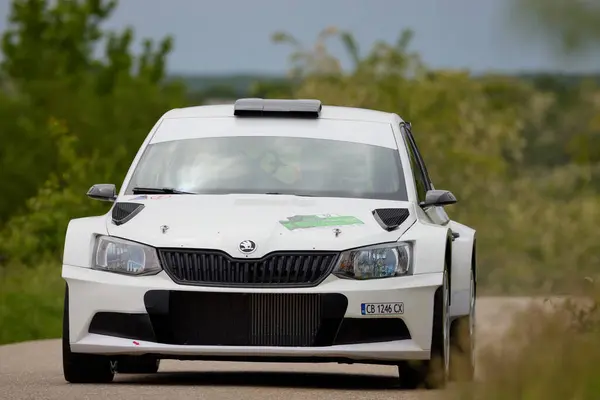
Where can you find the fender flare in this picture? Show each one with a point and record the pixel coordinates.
(448, 260)
(431, 247)
(463, 264)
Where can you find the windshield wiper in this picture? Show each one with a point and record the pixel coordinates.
(289, 194)
(165, 190)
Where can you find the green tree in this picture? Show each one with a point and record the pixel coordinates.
(110, 102)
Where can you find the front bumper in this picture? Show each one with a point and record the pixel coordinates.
(122, 315)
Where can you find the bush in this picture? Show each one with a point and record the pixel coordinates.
(38, 234)
(551, 353)
(31, 300)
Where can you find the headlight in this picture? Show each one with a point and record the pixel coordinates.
(125, 257)
(380, 261)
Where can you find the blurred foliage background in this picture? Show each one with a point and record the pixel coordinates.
(522, 153)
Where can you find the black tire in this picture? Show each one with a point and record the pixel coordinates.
(429, 374)
(138, 365)
(78, 367)
(413, 374)
(462, 368)
(462, 341)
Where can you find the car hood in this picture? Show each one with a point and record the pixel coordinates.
(224, 221)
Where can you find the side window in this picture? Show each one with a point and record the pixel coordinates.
(420, 176)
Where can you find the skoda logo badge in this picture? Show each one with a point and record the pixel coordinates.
(247, 246)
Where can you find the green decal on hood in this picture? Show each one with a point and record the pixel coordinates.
(315, 221)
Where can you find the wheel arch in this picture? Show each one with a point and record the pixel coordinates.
(463, 263)
(448, 261)
(474, 263)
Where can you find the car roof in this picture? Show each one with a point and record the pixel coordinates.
(327, 112)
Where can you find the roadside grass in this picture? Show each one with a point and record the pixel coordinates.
(30, 302)
(551, 353)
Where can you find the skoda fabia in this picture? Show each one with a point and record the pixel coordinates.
(272, 230)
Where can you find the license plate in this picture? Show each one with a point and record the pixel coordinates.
(381, 308)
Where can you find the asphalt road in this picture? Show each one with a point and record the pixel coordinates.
(33, 370)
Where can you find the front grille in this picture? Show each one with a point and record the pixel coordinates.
(212, 267)
(244, 319)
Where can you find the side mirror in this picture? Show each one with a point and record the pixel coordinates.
(438, 198)
(103, 192)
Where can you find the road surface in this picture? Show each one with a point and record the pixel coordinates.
(33, 370)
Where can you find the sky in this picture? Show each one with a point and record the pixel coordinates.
(233, 36)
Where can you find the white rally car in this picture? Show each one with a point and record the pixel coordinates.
(272, 230)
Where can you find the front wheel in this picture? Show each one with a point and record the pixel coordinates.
(433, 373)
(462, 339)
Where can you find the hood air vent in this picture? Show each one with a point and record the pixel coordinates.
(390, 218)
(123, 212)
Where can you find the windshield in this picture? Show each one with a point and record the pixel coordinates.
(274, 165)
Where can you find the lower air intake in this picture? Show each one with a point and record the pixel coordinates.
(244, 319)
